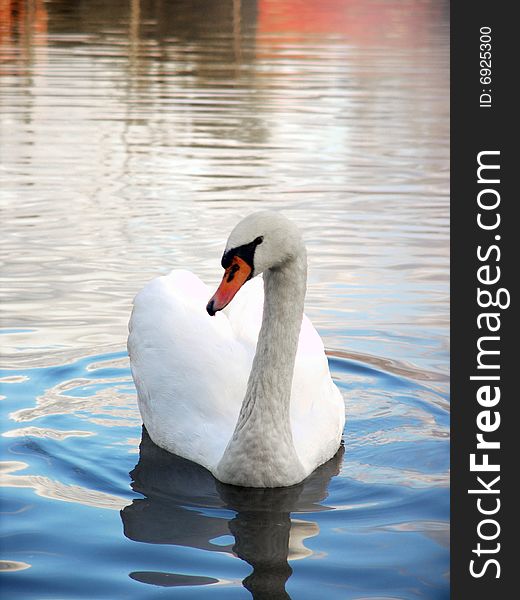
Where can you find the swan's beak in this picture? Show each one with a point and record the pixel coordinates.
(234, 278)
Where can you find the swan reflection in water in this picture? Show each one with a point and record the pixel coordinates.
(180, 497)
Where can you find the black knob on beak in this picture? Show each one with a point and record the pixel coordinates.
(211, 308)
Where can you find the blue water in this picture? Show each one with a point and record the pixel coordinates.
(372, 521)
(138, 135)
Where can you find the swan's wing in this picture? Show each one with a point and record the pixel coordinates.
(317, 407)
(189, 370)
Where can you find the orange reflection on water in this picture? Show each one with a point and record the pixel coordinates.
(362, 22)
(23, 25)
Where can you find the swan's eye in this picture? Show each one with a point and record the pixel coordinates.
(258, 240)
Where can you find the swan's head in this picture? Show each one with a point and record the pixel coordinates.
(261, 241)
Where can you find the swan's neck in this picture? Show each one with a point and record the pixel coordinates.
(261, 452)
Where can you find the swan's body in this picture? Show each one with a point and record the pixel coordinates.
(262, 420)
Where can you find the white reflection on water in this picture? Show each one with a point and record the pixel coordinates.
(13, 565)
(56, 490)
(110, 401)
(40, 432)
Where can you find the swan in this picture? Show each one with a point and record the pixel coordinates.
(247, 392)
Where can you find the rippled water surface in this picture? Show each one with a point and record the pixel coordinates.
(134, 135)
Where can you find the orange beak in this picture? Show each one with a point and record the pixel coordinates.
(234, 278)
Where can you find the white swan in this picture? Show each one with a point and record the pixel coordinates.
(260, 419)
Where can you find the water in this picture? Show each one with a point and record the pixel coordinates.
(134, 136)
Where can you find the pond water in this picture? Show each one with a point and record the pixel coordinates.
(135, 134)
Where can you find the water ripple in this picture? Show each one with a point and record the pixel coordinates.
(138, 133)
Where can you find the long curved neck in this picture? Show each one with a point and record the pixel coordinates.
(270, 380)
(261, 452)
